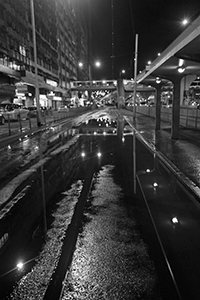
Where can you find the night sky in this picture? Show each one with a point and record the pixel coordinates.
(157, 23)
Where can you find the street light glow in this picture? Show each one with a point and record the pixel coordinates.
(20, 265)
(181, 69)
(185, 22)
(99, 154)
(83, 154)
(155, 184)
(175, 220)
(97, 64)
(80, 64)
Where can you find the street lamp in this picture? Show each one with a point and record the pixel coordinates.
(122, 72)
(181, 66)
(185, 22)
(97, 64)
(80, 64)
(181, 69)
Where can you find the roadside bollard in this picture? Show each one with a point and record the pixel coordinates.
(9, 129)
(20, 122)
(29, 119)
(44, 116)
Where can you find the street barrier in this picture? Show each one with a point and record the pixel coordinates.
(47, 117)
(189, 116)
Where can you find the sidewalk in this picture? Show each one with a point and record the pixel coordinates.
(182, 155)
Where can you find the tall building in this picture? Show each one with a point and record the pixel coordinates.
(61, 37)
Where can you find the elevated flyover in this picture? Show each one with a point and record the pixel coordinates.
(178, 65)
(119, 89)
(93, 85)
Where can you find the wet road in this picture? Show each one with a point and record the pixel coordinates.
(182, 153)
(113, 235)
(40, 260)
(111, 259)
(19, 155)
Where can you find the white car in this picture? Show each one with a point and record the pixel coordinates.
(63, 108)
(2, 119)
(14, 112)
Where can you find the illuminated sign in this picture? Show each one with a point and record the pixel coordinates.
(51, 82)
(22, 50)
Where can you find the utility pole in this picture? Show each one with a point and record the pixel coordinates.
(134, 102)
(35, 63)
(38, 113)
(113, 40)
(135, 75)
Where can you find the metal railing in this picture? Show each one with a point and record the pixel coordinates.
(47, 117)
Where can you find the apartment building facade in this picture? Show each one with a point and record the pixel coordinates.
(60, 25)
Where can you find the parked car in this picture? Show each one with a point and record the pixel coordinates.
(2, 119)
(32, 111)
(14, 111)
(63, 108)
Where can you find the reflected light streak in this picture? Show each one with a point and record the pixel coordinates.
(20, 265)
(175, 220)
(83, 154)
(155, 184)
(99, 154)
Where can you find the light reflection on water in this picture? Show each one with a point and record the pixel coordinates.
(111, 260)
(33, 285)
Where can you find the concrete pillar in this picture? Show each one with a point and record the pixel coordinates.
(120, 126)
(176, 109)
(90, 95)
(158, 106)
(158, 87)
(185, 85)
(120, 93)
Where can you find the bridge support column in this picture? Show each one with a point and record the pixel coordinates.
(158, 106)
(120, 93)
(89, 95)
(120, 126)
(176, 109)
(185, 85)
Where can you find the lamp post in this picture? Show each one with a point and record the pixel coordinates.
(135, 75)
(185, 22)
(97, 64)
(35, 63)
(121, 72)
(38, 111)
(134, 102)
